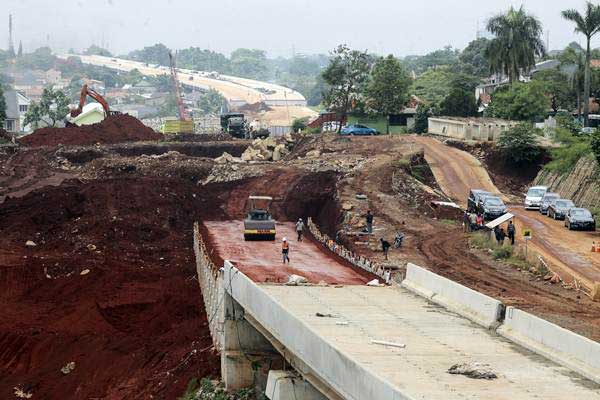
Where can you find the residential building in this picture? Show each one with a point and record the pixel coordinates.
(17, 105)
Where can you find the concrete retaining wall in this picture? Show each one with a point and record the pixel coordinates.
(469, 128)
(477, 307)
(349, 379)
(211, 285)
(356, 260)
(551, 341)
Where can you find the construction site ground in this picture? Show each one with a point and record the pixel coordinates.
(110, 283)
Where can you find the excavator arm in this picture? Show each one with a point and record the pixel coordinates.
(85, 92)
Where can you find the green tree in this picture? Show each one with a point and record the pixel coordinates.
(387, 90)
(196, 58)
(346, 75)
(519, 144)
(588, 25)
(474, 56)
(41, 58)
(299, 124)
(53, 107)
(595, 144)
(2, 107)
(249, 63)
(516, 44)
(211, 102)
(459, 103)
(557, 87)
(156, 54)
(520, 102)
(97, 50)
(422, 118)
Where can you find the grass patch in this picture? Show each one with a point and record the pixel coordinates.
(506, 253)
(573, 148)
(206, 389)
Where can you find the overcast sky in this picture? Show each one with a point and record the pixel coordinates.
(400, 27)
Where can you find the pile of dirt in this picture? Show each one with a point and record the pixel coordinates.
(115, 129)
(106, 282)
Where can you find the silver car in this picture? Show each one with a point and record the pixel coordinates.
(549, 198)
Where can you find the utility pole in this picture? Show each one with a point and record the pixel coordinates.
(11, 46)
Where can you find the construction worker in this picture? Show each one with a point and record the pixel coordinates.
(369, 219)
(285, 250)
(385, 246)
(473, 222)
(299, 228)
(511, 232)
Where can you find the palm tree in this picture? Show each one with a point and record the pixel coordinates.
(516, 44)
(589, 25)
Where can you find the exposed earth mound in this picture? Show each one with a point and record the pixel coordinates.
(115, 129)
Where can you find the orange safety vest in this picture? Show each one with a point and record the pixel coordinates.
(285, 246)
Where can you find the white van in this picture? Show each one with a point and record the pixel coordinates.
(533, 198)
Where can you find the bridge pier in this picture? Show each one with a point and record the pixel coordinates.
(284, 385)
(246, 355)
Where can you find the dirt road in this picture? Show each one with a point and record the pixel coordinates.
(567, 252)
(456, 171)
(262, 260)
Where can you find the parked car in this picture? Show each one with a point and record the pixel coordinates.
(534, 196)
(548, 199)
(559, 209)
(475, 196)
(492, 207)
(358, 130)
(580, 218)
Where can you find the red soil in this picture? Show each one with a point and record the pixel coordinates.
(115, 129)
(135, 325)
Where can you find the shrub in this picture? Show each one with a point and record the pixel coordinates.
(502, 253)
(299, 124)
(566, 121)
(518, 144)
(422, 118)
(572, 149)
(595, 145)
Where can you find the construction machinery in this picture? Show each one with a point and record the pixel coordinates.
(184, 124)
(85, 92)
(234, 124)
(237, 126)
(259, 224)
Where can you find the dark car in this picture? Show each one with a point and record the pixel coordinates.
(559, 208)
(580, 218)
(549, 198)
(358, 130)
(492, 207)
(475, 197)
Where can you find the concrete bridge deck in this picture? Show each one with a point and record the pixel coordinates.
(336, 353)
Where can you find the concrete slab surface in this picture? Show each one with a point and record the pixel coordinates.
(261, 261)
(435, 340)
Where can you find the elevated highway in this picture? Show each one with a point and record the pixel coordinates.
(347, 340)
(285, 104)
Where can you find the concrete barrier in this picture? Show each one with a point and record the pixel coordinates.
(477, 307)
(564, 347)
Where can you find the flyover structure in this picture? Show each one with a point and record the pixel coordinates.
(336, 337)
(281, 105)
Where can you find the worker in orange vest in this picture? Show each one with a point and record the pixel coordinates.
(285, 250)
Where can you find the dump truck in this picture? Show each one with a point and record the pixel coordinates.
(259, 224)
(234, 124)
